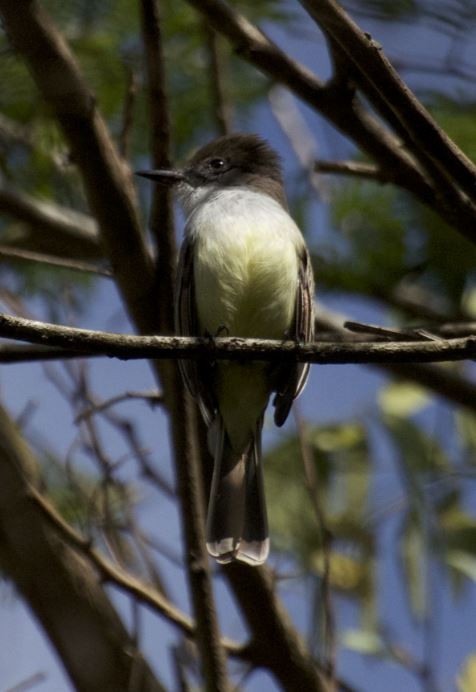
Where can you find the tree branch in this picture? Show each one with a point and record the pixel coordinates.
(220, 107)
(352, 168)
(7, 252)
(128, 347)
(110, 572)
(428, 139)
(338, 102)
(440, 380)
(55, 229)
(275, 643)
(60, 587)
(161, 218)
(339, 105)
(107, 180)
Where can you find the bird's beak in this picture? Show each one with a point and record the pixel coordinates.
(163, 176)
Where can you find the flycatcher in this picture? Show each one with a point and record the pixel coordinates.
(244, 270)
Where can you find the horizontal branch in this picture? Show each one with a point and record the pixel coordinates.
(9, 253)
(56, 230)
(128, 347)
(15, 354)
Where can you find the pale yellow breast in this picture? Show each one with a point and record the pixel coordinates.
(246, 271)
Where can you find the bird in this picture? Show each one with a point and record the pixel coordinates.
(244, 270)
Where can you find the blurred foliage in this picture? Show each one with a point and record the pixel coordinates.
(341, 462)
(467, 678)
(98, 507)
(387, 239)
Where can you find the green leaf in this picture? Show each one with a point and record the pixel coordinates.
(341, 461)
(467, 678)
(347, 574)
(419, 453)
(464, 563)
(466, 426)
(365, 642)
(469, 302)
(412, 555)
(402, 399)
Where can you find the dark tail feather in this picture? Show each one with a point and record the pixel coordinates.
(237, 526)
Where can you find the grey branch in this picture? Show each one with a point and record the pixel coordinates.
(369, 59)
(8, 253)
(51, 228)
(128, 347)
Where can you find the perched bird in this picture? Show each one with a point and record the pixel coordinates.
(244, 270)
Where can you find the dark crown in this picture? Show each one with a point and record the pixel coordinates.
(246, 153)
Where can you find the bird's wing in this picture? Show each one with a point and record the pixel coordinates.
(291, 379)
(197, 374)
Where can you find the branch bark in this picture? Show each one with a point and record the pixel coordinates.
(161, 217)
(429, 140)
(55, 230)
(233, 348)
(8, 253)
(274, 644)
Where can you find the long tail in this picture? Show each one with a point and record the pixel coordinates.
(237, 525)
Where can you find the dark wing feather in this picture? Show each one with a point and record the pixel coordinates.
(291, 379)
(197, 374)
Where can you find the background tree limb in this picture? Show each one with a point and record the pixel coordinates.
(59, 585)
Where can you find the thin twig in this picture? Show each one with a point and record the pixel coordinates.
(110, 572)
(128, 112)
(124, 581)
(28, 683)
(440, 380)
(221, 108)
(429, 142)
(417, 334)
(326, 541)
(352, 168)
(300, 136)
(154, 398)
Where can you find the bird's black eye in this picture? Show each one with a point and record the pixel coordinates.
(216, 164)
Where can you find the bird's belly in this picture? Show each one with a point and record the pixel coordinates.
(246, 282)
